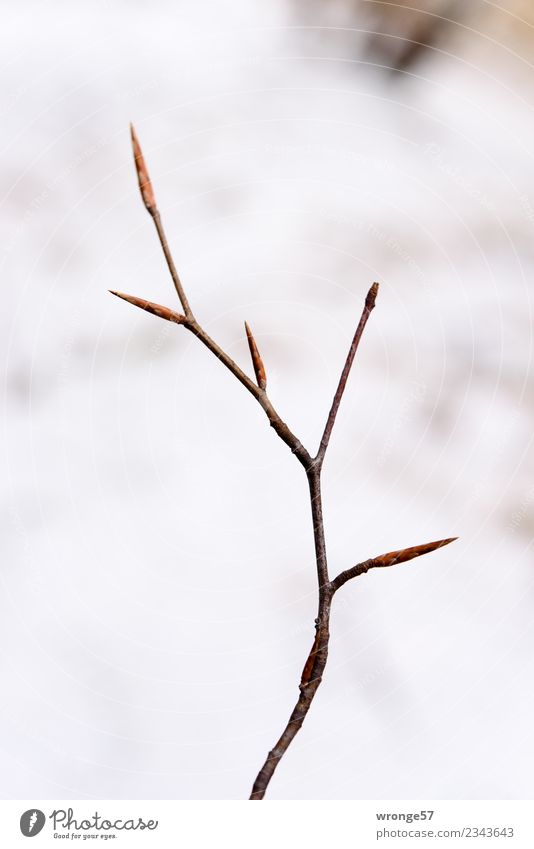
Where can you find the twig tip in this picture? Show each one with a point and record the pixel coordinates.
(145, 185)
(371, 296)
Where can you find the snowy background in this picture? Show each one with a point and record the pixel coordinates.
(157, 579)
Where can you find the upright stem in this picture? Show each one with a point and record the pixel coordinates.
(369, 305)
(314, 482)
(312, 674)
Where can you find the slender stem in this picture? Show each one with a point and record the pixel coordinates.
(314, 481)
(368, 306)
(156, 217)
(314, 667)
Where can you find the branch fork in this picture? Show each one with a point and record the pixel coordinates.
(316, 662)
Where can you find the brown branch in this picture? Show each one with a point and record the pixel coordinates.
(312, 675)
(190, 322)
(170, 265)
(368, 306)
(390, 559)
(315, 665)
(314, 482)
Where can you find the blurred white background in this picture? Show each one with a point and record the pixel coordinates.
(158, 584)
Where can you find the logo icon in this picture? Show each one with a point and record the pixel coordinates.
(32, 822)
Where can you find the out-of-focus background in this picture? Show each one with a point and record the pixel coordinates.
(157, 582)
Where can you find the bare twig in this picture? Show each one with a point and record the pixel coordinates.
(149, 200)
(316, 662)
(311, 677)
(368, 306)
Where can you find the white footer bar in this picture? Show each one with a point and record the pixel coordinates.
(268, 825)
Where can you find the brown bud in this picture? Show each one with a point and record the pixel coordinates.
(155, 309)
(145, 186)
(371, 296)
(259, 368)
(405, 554)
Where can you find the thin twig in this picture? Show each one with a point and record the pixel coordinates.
(149, 200)
(316, 662)
(311, 677)
(368, 306)
(170, 264)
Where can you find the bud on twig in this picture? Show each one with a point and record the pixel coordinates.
(389, 559)
(405, 554)
(155, 309)
(257, 362)
(145, 186)
(371, 296)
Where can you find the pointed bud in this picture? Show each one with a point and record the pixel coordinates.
(389, 559)
(155, 309)
(409, 553)
(259, 368)
(145, 186)
(371, 296)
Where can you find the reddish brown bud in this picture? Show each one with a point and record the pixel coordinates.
(259, 368)
(408, 553)
(155, 309)
(389, 559)
(145, 186)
